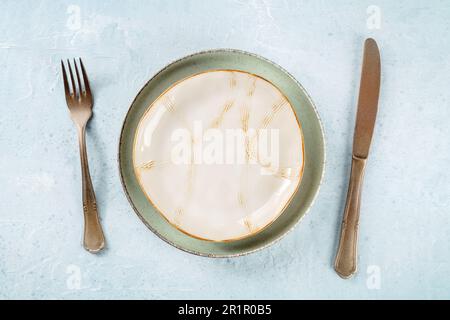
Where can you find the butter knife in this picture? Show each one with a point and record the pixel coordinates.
(346, 258)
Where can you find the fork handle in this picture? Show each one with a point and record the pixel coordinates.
(93, 239)
(346, 258)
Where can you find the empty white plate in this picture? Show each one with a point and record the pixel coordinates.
(219, 154)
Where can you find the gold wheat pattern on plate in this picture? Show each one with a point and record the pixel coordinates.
(148, 165)
(268, 118)
(290, 173)
(241, 200)
(178, 214)
(276, 107)
(233, 81)
(219, 119)
(252, 88)
(249, 152)
(248, 224)
(245, 117)
(168, 103)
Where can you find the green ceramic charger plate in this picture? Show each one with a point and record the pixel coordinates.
(314, 150)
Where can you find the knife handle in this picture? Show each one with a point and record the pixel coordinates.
(346, 258)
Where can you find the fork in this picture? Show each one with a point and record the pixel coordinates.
(80, 102)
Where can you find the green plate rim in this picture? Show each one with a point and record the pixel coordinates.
(322, 164)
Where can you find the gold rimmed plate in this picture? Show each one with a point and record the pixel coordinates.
(197, 189)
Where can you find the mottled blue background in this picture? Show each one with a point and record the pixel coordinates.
(405, 227)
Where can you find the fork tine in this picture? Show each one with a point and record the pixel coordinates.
(66, 84)
(72, 80)
(78, 77)
(85, 78)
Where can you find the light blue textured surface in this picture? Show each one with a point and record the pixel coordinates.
(405, 226)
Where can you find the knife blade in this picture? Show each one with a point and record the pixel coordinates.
(369, 91)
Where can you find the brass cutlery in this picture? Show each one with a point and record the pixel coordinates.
(80, 102)
(346, 258)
